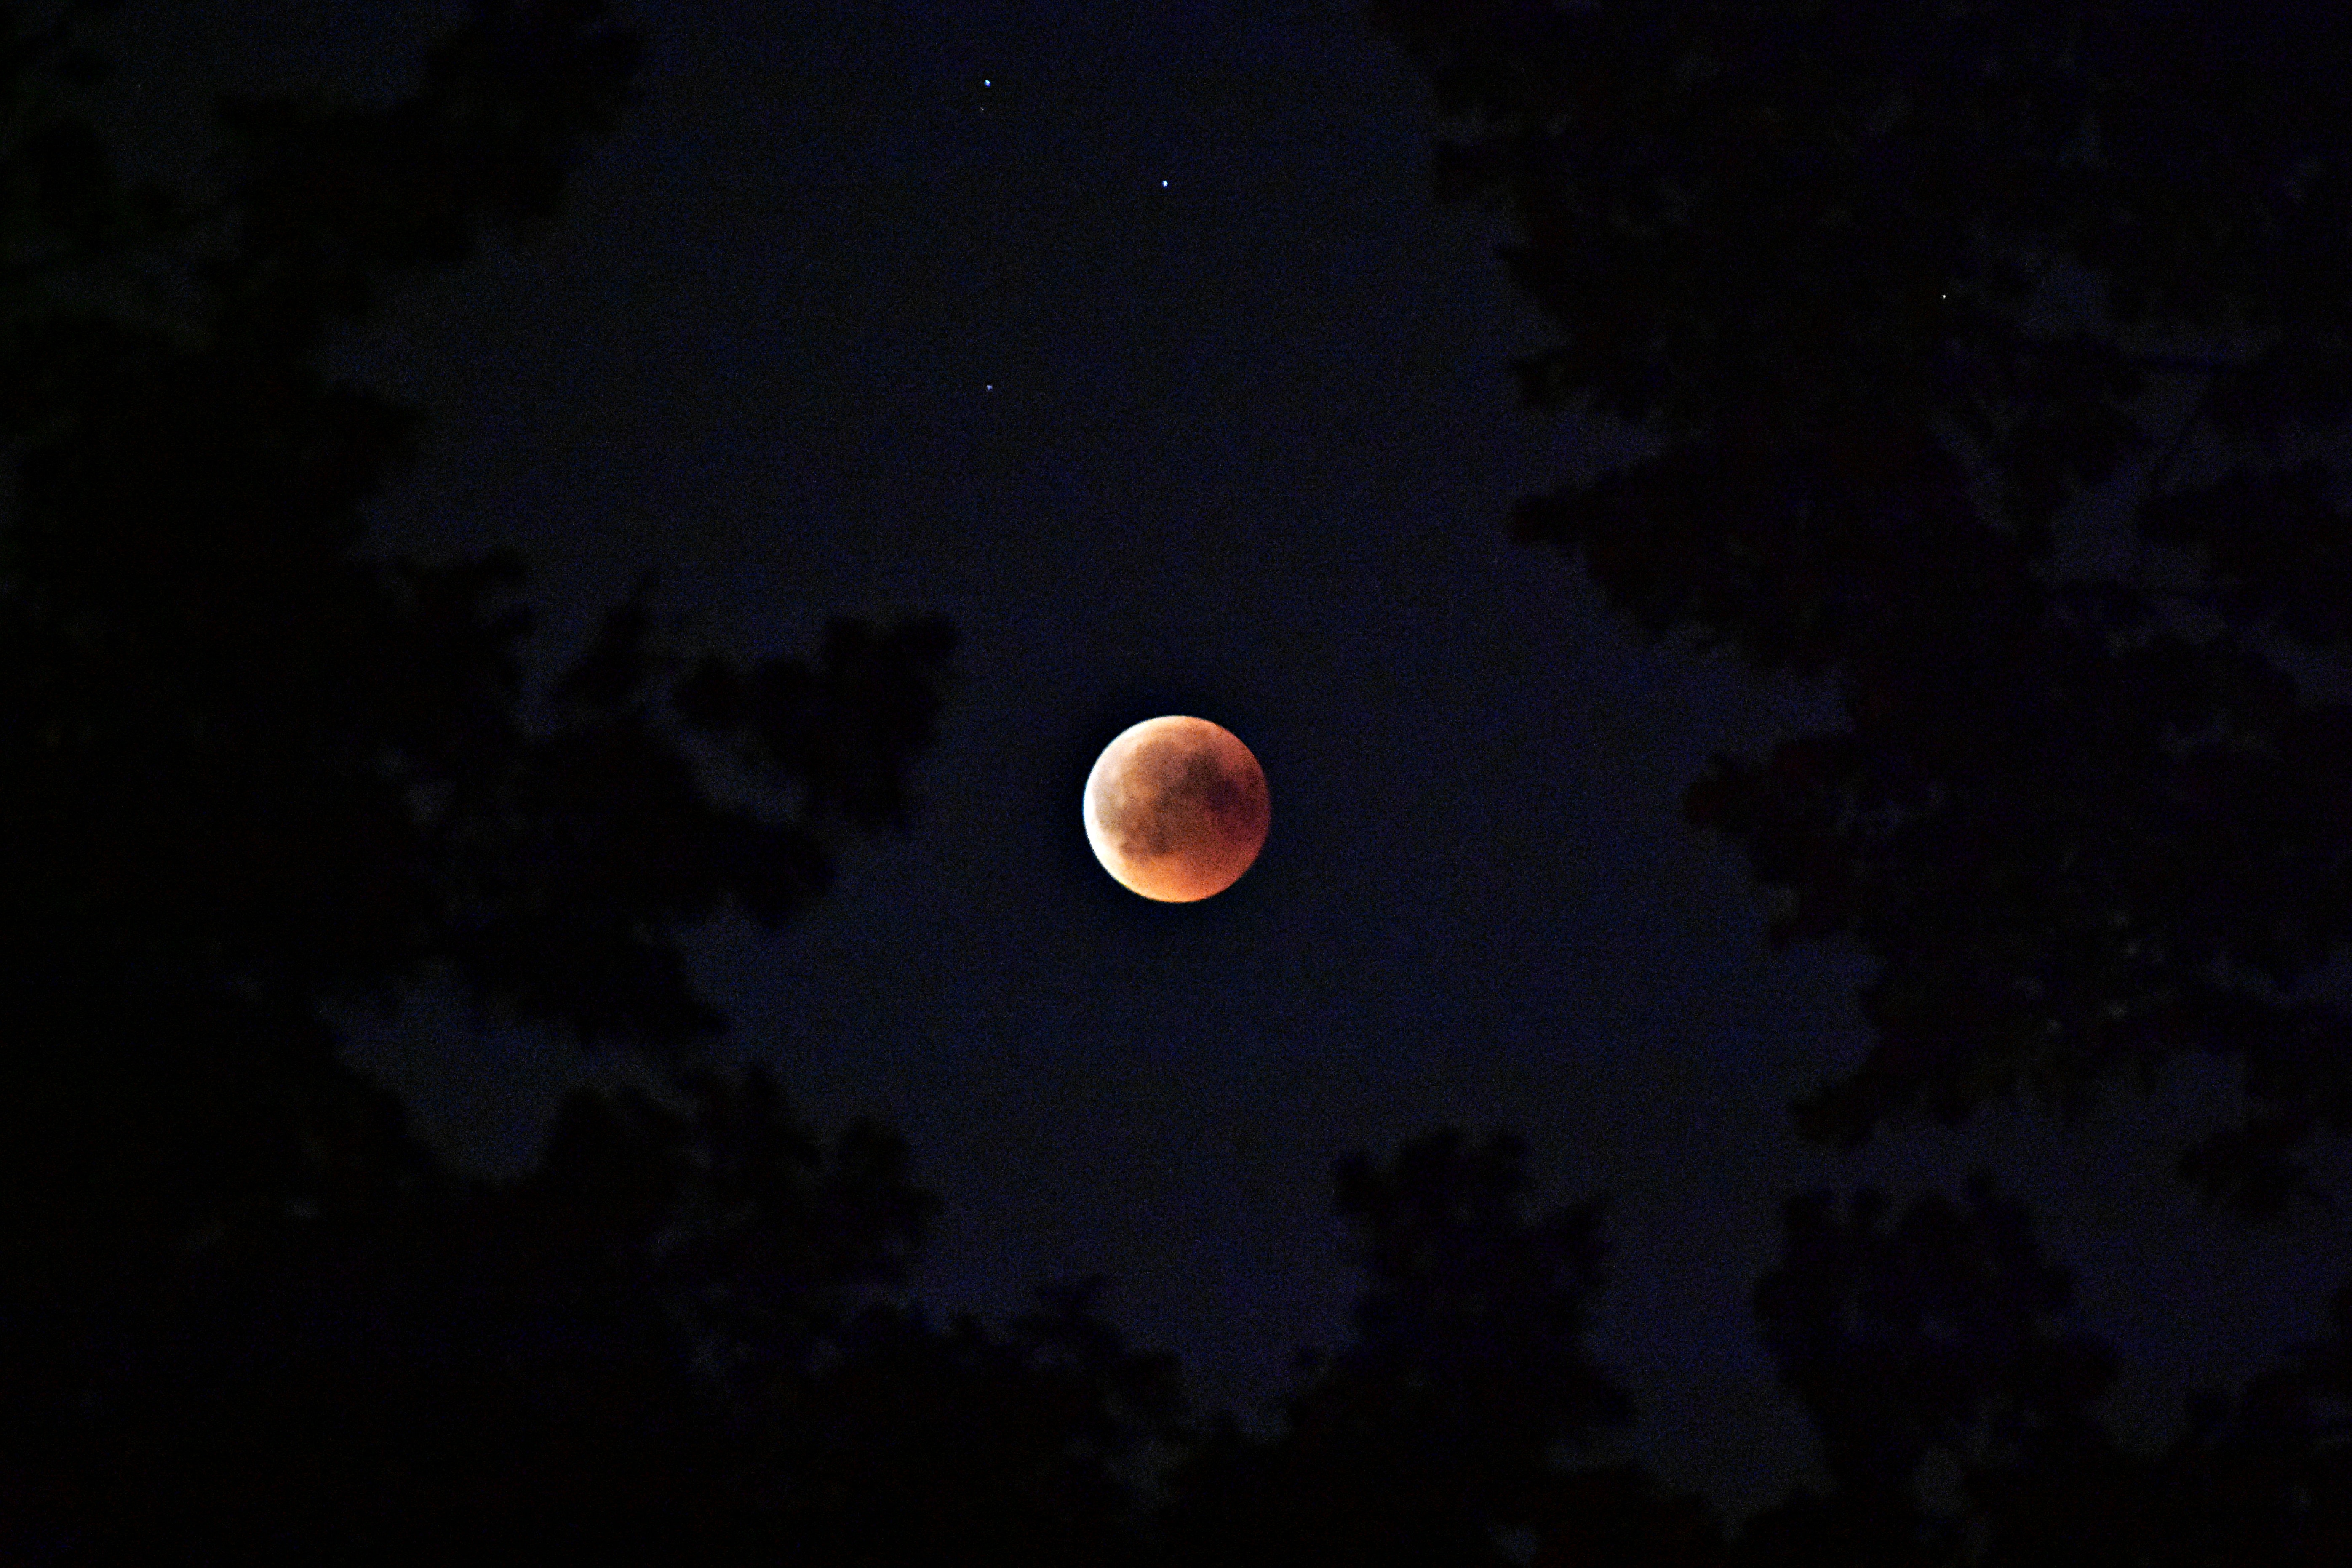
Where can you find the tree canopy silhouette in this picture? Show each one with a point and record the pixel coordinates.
(252, 767)
(1450, 1418)
(2084, 822)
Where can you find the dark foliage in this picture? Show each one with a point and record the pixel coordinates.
(251, 769)
(2085, 817)
(2084, 823)
(1939, 1335)
(1449, 1420)
(1931, 1333)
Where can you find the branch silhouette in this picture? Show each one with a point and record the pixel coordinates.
(1803, 244)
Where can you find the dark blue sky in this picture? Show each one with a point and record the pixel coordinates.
(885, 306)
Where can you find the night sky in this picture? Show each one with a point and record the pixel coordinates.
(1129, 338)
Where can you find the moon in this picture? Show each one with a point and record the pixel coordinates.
(1176, 808)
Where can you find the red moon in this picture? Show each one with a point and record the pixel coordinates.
(1176, 808)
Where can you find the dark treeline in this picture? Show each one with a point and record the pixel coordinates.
(255, 771)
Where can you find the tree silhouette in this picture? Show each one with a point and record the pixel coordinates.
(1939, 1333)
(2086, 818)
(2084, 823)
(595, 1355)
(253, 769)
(1932, 1335)
(917, 1442)
(1447, 1420)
